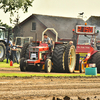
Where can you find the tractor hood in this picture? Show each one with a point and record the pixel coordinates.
(39, 48)
(42, 48)
(85, 51)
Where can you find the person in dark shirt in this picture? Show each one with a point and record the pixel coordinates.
(13, 52)
(8, 51)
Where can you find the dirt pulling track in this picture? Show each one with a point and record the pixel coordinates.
(48, 88)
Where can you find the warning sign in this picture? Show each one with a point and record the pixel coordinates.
(83, 56)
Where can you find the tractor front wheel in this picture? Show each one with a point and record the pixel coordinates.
(48, 65)
(70, 58)
(23, 66)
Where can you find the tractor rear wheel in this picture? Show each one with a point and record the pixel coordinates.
(58, 58)
(2, 51)
(25, 52)
(23, 66)
(96, 60)
(48, 65)
(70, 58)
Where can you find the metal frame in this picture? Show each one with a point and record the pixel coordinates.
(85, 33)
(22, 39)
(52, 29)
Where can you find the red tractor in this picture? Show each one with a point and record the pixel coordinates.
(87, 54)
(37, 56)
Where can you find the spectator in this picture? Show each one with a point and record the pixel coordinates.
(71, 42)
(13, 52)
(8, 52)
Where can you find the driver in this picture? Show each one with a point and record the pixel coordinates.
(47, 40)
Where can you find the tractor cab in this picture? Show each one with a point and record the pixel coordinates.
(3, 43)
(20, 41)
(2, 33)
(85, 45)
(86, 40)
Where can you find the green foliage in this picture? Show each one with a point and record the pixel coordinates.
(14, 5)
(7, 27)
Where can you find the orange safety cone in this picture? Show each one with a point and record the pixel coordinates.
(11, 63)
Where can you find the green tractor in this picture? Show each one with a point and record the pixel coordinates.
(3, 43)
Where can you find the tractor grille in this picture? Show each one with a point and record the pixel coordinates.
(34, 55)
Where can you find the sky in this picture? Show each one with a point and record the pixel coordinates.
(66, 8)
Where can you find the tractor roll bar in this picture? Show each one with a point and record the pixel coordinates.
(51, 29)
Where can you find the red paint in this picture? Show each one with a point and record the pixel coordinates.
(43, 44)
(83, 48)
(42, 62)
(73, 30)
(42, 47)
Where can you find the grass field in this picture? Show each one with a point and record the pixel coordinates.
(43, 75)
(7, 65)
(15, 65)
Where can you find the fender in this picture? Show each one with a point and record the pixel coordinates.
(94, 52)
(91, 53)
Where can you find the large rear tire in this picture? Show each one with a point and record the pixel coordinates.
(2, 51)
(25, 51)
(70, 59)
(96, 60)
(58, 58)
